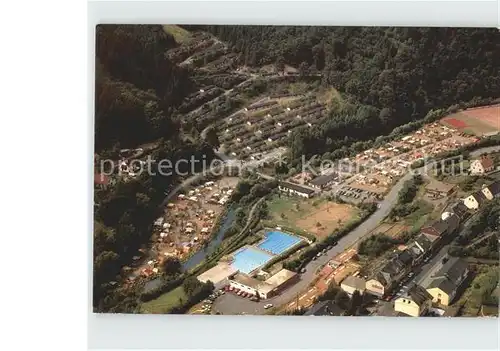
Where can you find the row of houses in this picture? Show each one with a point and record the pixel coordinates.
(487, 193)
(440, 288)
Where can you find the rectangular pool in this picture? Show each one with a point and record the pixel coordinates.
(278, 242)
(248, 259)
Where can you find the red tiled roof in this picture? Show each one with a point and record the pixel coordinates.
(486, 162)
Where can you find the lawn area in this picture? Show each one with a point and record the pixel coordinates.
(318, 217)
(165, 302)
(479, 290)
(417, 218)
(180, 35)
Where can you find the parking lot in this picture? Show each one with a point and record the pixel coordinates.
(356, 195)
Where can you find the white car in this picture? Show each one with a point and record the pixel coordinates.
(269, 305)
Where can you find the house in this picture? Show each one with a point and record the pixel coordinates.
(442, 227)
(482, 165)
(458, 209)
(375, 287)
(352, 284)
(295, 189)
(424, 242)
(415, 303)
(446, 281)
(325, 308)
(323, 181)
(474, 201)
(392, 273)
(491, 191)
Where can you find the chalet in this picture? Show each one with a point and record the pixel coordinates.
(481, 166)
(474, 201)
(295, 189)
(491, 191)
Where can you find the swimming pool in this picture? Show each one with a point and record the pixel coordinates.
(278, 242)
(249, 258)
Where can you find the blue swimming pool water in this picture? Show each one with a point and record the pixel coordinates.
(278, 242)
(248, 259)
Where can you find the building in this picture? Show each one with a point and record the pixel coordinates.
(446, 281)
(491, 191)
(416, 303)
(352, 284)
(482, 165)
(474, 201)
(458, 209)
(264, 289)
(323, 181)
(442, 227)
(375, 287)
(295, 189)
(325, 308)
(438, 189)
(219, 274)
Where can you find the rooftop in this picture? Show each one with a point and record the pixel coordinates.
(323, 179)
(280, 277)
(486, 162)
(494, 188)
(297, 187)
(419, 295)
(217, 273)
(252, 282)
(355, 282)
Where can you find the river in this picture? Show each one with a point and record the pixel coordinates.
(200, 255)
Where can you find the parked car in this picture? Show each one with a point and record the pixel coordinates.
(269, 305)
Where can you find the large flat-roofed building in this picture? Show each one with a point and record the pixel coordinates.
(265, 289)
(295, 189)
(219, 274)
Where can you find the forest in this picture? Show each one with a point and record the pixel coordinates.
(392, 76)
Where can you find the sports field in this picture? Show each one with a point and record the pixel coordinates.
(315, 216)
(478, 121)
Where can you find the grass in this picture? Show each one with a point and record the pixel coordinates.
(417, 218)
(302, 215)
(180, 34)
(165, 302)
(479, 290)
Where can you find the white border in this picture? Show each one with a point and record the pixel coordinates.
(221, 332)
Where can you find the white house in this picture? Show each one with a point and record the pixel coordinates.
(481, 166)
(491, 191)
(474, 201)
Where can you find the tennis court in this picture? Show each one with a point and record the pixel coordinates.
(278, 242)
(249, 258)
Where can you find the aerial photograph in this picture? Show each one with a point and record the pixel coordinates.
(296, 170)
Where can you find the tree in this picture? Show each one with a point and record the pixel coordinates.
(212, 138)
(303, 69)
(172, 266)
(355, 303)
(280, 64)
(191, 285)
(342, 299)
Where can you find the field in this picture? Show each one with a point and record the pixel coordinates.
(478, 121)
(164, 302)
(318, 217)
(394, 230)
